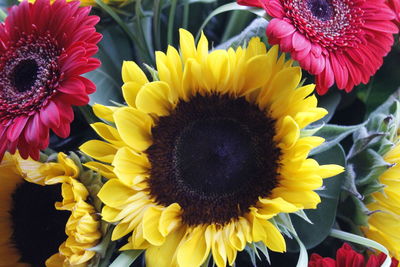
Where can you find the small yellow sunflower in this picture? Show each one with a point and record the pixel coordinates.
(383, 224)
(31, 229)
(204, 156)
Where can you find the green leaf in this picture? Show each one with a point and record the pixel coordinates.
(3, 14)
(329, 101)
(226, 8)
(362, 241)
(256, 28)
(333, 134)
(126, 258)
(113, 49)
(324, 216)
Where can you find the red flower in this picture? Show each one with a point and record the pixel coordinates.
(44, 48)
(395, 6)
(347, 257)
(342, 41)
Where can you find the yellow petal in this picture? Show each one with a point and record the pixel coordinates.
(130, 91)
(163, 256)
(187, 46)
(114, 193)
(104, 112)
(99, 150)
(132, 73)
(134, 126)
(105, 170)
(195, 249)
(151, 220)
(274, 206)
(155, 98)
(253, 78)
(202, 48)
(287, 133)
(218, 248)
(329, 170)
(170, 219)
(275, 240)
(128, 164)
(108, 133)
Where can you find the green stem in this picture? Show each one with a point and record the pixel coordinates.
(171, 20)
(118, 20)
(3, 15)
(139, 16)
(156, 23)
(237, 22)
(185, 22)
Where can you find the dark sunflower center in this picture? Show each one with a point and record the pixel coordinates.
(38, 228)
(215, 156)
(321, 9)
(24, 75)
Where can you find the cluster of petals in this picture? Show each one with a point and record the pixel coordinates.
(385, 206)
(159, 229)
(347, 257)
(82, 227)
(44, 49)
(338, 41)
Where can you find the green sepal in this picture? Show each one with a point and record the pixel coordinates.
(361, 212)
(372, 187)
(368, 167)
(333, 134)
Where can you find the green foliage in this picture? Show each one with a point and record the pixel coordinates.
(333, 134)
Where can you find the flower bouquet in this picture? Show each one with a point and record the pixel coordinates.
(199, 133)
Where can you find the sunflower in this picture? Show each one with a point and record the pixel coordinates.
(383, 223)
(339, 41)
(32, 229)
(42, 58)
(209, 152)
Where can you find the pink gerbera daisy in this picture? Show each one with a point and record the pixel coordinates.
(395, 6)
(44, 48)
(342, 41)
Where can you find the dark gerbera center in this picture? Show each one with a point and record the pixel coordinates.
(330, 23)
(38, 228)
(29, 75)
(322, 9)
(25, 74)
(215, 156)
